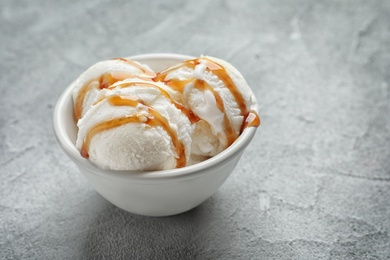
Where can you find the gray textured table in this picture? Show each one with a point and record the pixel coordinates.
(314, 184)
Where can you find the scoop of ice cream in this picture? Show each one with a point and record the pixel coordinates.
(135, 126)
(100, 76)
(218, 94)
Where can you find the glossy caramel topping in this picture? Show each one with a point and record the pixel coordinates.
(177, 84)
(221, 73)
(190, 115)
(106, 80)
(101, 82)
(250, 120)
(153, 119)
(147, 72)
(229, 131)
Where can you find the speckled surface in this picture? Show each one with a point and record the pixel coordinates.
(314, 184)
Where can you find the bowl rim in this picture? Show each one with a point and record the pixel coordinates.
(191, 171)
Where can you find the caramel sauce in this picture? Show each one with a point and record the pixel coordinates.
(154, 119)
(251, 119)
(147, 72)
(105, 80)
(229, 131)
(190, 115)
(177, 84)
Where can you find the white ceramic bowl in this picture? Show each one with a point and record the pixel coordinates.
(154, 193)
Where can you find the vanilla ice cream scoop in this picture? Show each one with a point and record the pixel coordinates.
(218, 94)
(100, 76)
(135, 125)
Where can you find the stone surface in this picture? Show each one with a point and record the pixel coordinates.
(315, 182)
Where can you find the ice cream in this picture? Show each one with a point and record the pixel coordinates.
(100, 76)
(135, 126)
(218, 94)
(130, 118)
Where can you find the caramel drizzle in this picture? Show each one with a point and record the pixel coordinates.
(104, 81)
(190, 115)
(229, 131)
(147, 72)
(154, 119)
(251, 119)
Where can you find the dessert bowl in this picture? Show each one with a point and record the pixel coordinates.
(150, 193)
